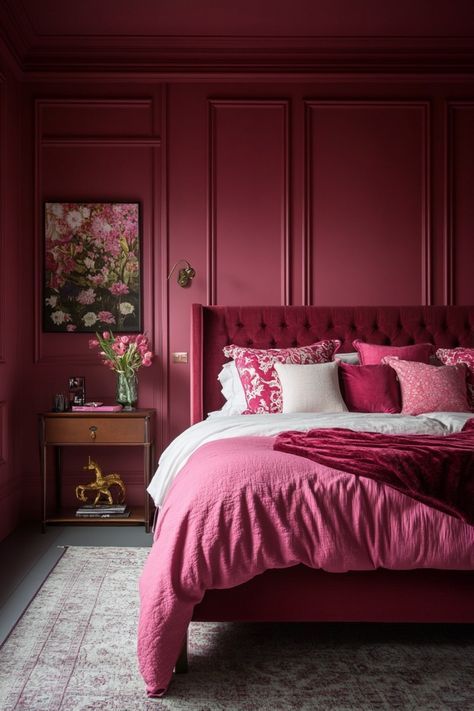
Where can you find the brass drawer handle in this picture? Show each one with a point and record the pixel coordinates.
(93, 431)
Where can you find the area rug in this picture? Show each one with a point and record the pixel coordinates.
(74, 650)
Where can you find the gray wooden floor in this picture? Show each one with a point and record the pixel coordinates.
(27, 556)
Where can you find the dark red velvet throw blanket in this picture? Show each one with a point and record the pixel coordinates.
(436, 470)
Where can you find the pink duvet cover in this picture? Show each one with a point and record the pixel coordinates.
(238, 508)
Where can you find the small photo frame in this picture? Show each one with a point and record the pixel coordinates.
(77, 390)
(92, 267)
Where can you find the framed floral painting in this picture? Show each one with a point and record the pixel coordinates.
(92, 267)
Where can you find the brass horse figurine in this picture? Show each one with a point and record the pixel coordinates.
(101, 485)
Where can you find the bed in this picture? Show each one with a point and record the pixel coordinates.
(399, 580)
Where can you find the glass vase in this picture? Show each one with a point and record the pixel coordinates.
(127, 394)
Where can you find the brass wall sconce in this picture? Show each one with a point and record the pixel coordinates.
(185, 275)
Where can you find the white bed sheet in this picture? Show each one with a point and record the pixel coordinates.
(218, 426)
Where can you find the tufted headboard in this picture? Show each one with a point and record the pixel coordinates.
(213, 327)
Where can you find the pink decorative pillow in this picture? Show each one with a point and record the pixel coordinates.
(430, 388)
(369, 388)
(258, 376)
(452, 356)
(372, 354)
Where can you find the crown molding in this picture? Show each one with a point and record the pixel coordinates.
(40, 55)
(215, 55)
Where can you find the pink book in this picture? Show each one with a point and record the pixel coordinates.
(96, 408)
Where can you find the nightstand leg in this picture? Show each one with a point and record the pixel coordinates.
(43, 461)
(58, 475)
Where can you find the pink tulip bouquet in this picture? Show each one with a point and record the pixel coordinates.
(123, 354)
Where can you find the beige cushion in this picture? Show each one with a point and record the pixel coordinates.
(310, 388)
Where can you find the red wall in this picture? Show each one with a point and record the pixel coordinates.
(331, 191)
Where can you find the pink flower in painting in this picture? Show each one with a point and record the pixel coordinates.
(119, 288)
(86, 296)
(100, 228)
(106, 317)
(97, 279)
(132, 265)
(112, 245)
(70, 327)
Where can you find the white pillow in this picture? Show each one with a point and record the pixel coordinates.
(351, 358)
(310, 388)
(232, 390)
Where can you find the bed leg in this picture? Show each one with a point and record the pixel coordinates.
(181, 666)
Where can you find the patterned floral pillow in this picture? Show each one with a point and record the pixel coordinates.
(451, 356)
(258, 376)
(430, 388)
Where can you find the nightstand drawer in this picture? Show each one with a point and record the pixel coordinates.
(95, 430)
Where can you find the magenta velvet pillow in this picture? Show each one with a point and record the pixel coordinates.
(372, 354)
(369, 388)
(259, 378)
(451, 356)
(430, 388)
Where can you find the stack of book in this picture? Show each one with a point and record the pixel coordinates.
(103, 511)
(96, 407)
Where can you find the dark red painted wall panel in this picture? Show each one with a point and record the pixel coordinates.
(95, 117)
(366, 168)
(248, 201)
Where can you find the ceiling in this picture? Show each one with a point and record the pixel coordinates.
(46, 35)
(162, 18)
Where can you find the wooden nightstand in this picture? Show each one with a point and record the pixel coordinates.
(78, 429)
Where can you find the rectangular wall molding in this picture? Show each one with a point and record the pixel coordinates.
(367, 202)
(89, 117)
(458, 197)
(248, 211)
(50, 116)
